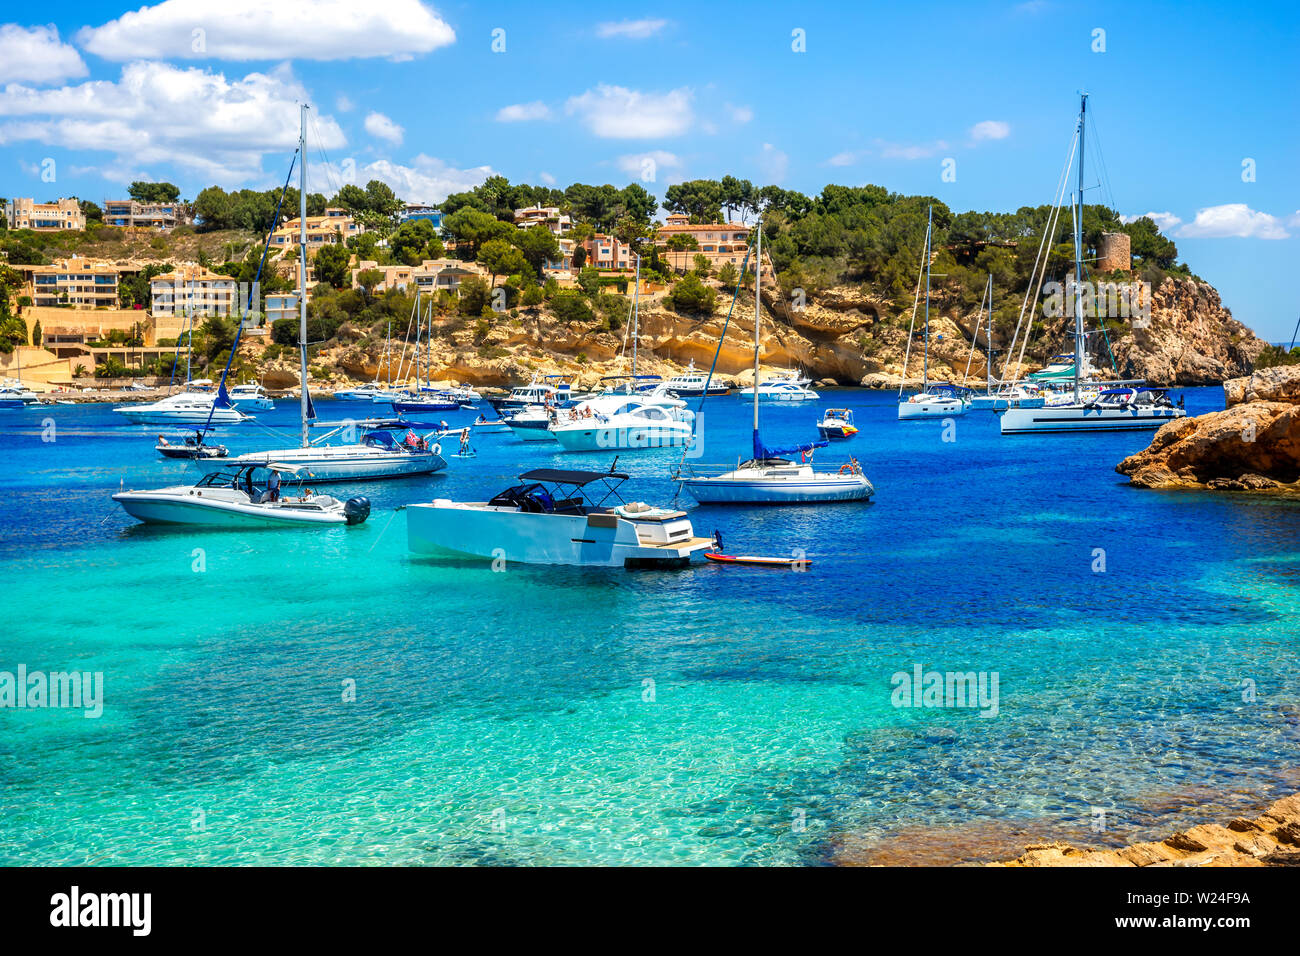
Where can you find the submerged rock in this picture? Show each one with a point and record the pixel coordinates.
(1252, 445)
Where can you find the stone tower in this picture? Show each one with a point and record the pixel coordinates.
(1114, 253)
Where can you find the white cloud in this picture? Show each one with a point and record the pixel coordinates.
(653, 166)
(546, 178)
(740, 114)
(427, 180)
(343, 103)
(258, 30)
(633, 29)
(615, 112)
(990, 129)
(773, 164)
(36, 55)
(1165, 221)
(161, 113)
(846, 158)
(1233, 220)
(381, 127)
(522, 112)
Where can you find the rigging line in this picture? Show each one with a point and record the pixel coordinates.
(907, 354)
(975, 336)
(1049, 230)
(1104, 178)
(320, 148)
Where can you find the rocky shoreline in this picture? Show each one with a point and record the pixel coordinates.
(1270, 839)
(1252, 445)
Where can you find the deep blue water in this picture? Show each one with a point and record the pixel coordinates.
(507, 717)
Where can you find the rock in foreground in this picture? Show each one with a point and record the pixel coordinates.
(1252, 445)
(1271, 839)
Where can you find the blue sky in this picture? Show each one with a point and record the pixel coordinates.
(203, 91)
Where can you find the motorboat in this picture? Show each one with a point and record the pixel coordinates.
(937, 400)
(250, 395)
(487, 426)
(531, 423)
(836, 424)
(1127, 408)
(184, 408)
(624, 423)
(190, 447)
(790, 387)
(240, 496)
(692, 383)
(17, 395)
(365, 393)
(536, 392)
(554, 517)
(769, 477)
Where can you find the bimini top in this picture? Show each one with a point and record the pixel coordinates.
(578, 478)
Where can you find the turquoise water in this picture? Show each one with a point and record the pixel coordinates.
(510, 717)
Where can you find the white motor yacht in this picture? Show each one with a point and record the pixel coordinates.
(240, 497)
(183, 408)
(551, 518)
(624, 423)
(790, 387)
(693, 383)
(250, 395)
(16, 395)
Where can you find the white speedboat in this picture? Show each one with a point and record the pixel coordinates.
(624, 423)
(183, 408)
(693, 383)
(550, 518)
(790, 387)
(250, 395)
(938, 400)
(484, 425)
(17, 395)
(531, 423)
(240, 497)
(769, 478)
(837, 424)
(1130, 408)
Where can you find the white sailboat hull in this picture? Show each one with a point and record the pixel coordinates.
(1079, 418)
(782, 485)
(931, 408)
(351, 462)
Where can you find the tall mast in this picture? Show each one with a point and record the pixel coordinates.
(636, 315)
(302, 270)
(758, 310)
(925, 366)
(1078, 257)
(988, 342)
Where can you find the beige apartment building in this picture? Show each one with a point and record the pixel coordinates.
(337, 225)
(719, 241)
(431, 275)
(44, 216)
(609, 254)
(193, 290)
(559, 224)
(79, 283)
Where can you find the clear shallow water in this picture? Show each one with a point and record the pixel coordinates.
(499, 717)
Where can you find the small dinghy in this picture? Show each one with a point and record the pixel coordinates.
(757, 561)
(189, 448)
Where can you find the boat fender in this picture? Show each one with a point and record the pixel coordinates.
(437, 448)
(356, 510)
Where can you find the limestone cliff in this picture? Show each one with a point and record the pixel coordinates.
(1252, 445)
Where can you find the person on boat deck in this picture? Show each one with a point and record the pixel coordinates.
(273, 487)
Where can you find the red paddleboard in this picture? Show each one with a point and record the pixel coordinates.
(758, 561)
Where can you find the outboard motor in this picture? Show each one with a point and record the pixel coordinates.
(356, 510)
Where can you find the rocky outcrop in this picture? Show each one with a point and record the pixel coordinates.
(1252, 445)
(1271, 839)
(1190, 339)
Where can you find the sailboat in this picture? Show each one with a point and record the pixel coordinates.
(1127, 408)
(1008, 394)
(936, 399)
(379, 454)
(769, 478)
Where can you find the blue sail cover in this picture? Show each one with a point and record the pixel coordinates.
(762, 451)
(223, 400)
